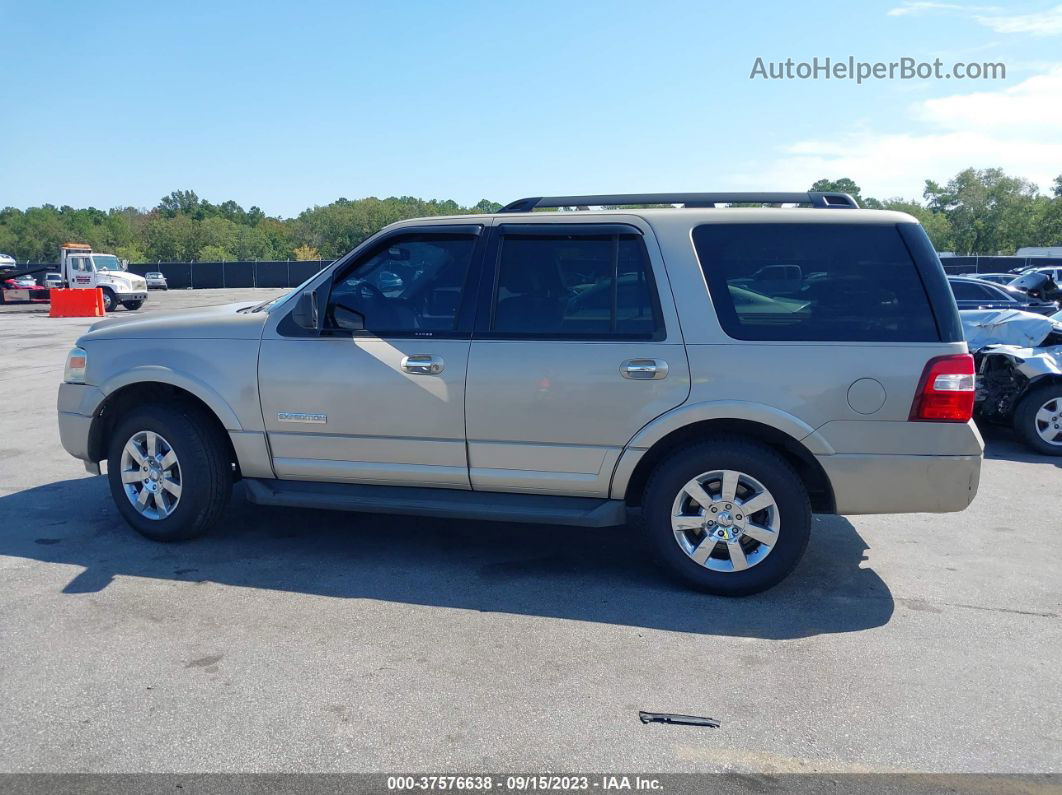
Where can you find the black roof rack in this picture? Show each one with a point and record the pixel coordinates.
(814, 198)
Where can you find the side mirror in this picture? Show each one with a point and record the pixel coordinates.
(305, 313)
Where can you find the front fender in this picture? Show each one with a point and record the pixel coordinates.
(165, 375)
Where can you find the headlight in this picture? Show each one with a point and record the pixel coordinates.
(76, 362)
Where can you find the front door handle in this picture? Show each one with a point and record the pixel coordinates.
(422, 364)
(644, 369)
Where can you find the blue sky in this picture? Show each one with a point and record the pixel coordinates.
(286, 105)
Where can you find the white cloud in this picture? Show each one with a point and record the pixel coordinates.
(1018, 129)
(1041, 23)
(1033, 104)
(1037, 23)
(912, 8)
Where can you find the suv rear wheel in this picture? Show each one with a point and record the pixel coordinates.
(727, 516)
(169, 472)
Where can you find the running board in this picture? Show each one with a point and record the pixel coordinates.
(444, 503)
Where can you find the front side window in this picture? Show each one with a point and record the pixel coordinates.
(413, 284)
(575, 286)
(814, 282)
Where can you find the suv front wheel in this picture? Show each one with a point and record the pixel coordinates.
(169, 471)
(727, 516)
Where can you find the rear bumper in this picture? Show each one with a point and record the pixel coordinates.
(902, 483)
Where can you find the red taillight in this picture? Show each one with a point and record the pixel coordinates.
(946, 390)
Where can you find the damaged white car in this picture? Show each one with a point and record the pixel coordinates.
(1018, 356)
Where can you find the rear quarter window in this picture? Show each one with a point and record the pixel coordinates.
(814, 282)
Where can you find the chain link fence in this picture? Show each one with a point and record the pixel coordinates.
(977, 264)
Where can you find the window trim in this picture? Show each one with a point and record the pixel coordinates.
(489, 284)
(369, 248)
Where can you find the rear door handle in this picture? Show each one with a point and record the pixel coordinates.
(644, 369)
(422, 364)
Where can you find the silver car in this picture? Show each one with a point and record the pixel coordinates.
(575, 368)
(155, 281)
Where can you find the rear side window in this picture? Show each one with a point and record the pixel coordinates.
(575, 286)
(966, 291)
(814, 282)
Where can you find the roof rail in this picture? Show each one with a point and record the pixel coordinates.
(814, 198)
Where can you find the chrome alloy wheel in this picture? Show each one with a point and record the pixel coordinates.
(725, 520)
(151, 475)
(1049, 421)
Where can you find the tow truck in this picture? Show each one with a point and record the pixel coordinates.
(81, 267)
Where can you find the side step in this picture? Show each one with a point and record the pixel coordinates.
(444, 503)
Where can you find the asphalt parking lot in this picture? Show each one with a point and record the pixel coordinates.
(311, 641)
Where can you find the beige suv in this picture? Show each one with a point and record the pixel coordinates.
(717, 372)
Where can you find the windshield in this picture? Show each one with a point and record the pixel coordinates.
(106, 262)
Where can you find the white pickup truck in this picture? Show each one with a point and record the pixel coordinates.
(79, 267)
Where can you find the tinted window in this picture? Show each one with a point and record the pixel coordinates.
(412, 284)
(844, 282)
(575, 286)
(965, 291)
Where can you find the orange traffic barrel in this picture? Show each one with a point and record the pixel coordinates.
(85, 302)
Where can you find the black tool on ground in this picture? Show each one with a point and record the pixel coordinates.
(684, 720)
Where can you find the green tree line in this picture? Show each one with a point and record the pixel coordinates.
(185, 228)
(977, 212)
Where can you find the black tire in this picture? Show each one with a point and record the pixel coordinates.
(132, 306)
(110, 303)
(1025, 423)
(205, 470)
(744, 456)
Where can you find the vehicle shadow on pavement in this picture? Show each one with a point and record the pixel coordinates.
(1003, 443)
(603, 575)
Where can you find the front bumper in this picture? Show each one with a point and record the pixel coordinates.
(902, 483)
(77, 408)
(139, 296)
